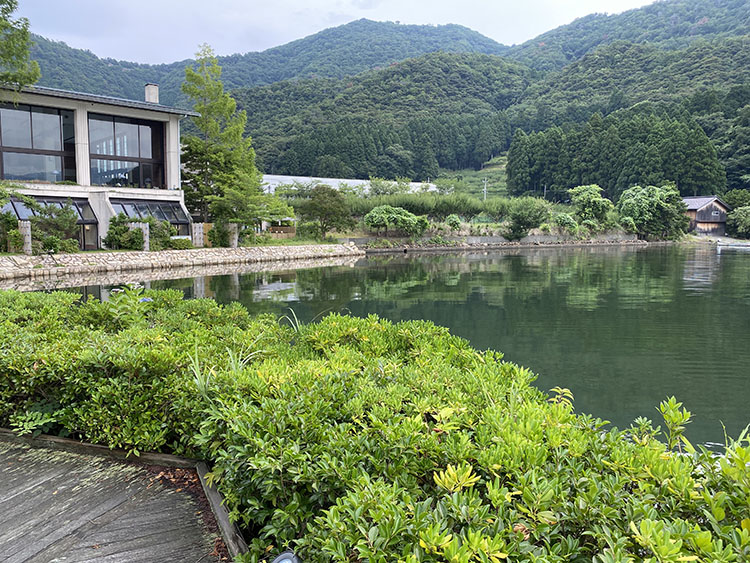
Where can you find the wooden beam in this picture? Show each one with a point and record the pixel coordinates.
(232, 538)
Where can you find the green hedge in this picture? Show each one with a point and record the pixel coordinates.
(363, 440)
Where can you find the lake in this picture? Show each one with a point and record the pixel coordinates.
(622, 327)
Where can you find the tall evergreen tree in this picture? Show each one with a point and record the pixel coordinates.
(219, 156)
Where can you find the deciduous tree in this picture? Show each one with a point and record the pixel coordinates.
(328, 208)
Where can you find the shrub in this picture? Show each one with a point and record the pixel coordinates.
(526, 213)
(307, 230)
(453, 221)
(385, 217)
(121, 237)
(497, 208)
(54, 228)
(628, 224)
(589, 203)
(738, 222)
(160, 233)
(357, 439)
(14, 240)
(592, 225)
(180, 244)
(8, 224)
(218, 236)
(53, 244)
(566, 222)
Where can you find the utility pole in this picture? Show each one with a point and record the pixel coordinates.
(485, 188)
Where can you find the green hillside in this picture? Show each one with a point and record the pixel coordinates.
(622, 74)
(439, 109)
(384, 99)
(333, 53)
(670, 24)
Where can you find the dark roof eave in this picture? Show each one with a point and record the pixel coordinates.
(109, 100)
(711, 199)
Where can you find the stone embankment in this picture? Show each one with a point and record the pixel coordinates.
(61, 265)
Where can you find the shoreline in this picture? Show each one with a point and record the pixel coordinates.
(62, 265)
(112, 268)
(407, 249)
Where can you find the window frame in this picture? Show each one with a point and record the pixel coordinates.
(66, 156)
(157, 148)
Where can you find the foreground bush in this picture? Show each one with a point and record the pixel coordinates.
(362, 440)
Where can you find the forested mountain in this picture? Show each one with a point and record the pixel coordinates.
(364, 45)
(456, 111)
(669, 24)
(622, 74)
(384, 99)
(444, 106)
(332, 53)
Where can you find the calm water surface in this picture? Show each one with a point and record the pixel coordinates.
(622, 328)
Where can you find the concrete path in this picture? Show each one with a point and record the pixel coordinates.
(58, 506)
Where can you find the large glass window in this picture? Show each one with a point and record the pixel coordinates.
(126, 152)
(37, 144)
(29, 167)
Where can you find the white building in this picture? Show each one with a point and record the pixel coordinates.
(106, 155)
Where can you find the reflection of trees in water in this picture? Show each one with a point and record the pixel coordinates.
(584, 278)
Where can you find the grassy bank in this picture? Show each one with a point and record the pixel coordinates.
(362, 440)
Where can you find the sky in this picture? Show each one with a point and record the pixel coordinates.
(161, 31)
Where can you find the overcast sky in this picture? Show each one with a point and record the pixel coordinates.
(159, 31)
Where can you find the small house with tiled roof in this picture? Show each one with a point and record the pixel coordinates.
(708, 214)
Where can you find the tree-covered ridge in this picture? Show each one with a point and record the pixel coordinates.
(82, 71)
(458, 110)
(622, 74)
(363, 45)
(334, 53)
(405, 120)
(434, 84)
(672, 24)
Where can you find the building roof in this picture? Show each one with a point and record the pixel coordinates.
(109, 100)
(699, 202)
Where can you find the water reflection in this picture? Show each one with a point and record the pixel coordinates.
(622, 327)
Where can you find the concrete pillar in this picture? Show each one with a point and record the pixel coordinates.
(146, 233)
(234, 235)
(172, 156)
(234, 287)
(197, 235)
(24, 227)
(81, 128)
(199, 287)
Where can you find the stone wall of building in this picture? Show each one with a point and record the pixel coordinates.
(59, 265)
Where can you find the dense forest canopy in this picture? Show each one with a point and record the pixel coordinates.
(669, 24)
(332, 53)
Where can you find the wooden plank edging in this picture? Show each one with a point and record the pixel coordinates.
(229, 532)
(232, 538)
(76, 447)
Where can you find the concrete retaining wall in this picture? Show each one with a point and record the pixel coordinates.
(19, 266)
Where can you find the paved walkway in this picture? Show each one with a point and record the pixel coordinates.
(58, 506)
